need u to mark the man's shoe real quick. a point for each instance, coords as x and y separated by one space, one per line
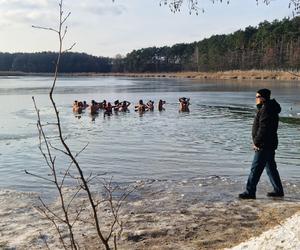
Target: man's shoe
246 195
275 194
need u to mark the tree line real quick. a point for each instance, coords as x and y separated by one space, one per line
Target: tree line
44 62
271 46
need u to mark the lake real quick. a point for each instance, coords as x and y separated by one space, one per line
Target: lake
210 147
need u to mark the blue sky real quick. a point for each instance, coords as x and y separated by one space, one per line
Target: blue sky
104 28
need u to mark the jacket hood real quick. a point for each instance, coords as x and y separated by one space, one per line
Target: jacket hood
273 106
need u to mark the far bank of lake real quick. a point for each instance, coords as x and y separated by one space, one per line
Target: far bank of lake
219 75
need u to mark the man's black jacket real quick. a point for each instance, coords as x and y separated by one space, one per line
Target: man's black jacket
265 125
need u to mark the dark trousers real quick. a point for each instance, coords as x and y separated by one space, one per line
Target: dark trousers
264 158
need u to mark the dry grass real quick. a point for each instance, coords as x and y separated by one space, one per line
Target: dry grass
221 75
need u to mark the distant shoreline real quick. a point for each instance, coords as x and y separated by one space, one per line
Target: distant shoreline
220 75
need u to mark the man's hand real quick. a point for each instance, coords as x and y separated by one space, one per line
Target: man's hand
255 148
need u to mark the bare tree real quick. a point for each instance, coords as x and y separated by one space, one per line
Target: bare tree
70 211
195 6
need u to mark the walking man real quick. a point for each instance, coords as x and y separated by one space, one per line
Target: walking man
265 142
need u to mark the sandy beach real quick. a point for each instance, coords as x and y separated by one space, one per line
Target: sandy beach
283 236
163 219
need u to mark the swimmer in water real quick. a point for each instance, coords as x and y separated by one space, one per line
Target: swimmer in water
184 104
141 107
124 106
160 105
108 109
150 105
94 108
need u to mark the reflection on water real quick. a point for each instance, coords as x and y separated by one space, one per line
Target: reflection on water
214 139
291 120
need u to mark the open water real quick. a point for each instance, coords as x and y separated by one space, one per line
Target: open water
208 147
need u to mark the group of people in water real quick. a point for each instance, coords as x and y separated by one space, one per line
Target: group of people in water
123 106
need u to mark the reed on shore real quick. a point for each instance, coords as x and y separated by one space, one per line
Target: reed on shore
219 75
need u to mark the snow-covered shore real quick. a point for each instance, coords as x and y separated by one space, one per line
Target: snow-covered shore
164 219
284 236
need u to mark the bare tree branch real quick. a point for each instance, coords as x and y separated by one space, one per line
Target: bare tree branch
58 149
38 176
46 208
194 6
74 196
44 240
70 48
65 18
44 28
61 239
78 213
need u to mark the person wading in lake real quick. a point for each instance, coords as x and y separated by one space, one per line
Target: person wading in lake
160 105
265 142
184 104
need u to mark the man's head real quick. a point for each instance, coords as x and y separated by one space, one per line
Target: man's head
262 96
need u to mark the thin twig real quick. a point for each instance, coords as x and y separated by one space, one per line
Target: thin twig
57 229
38 176
44 240
73 197
70 48
44 28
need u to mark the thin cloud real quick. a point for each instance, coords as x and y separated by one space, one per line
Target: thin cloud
23 17
44 12
25 12
25 4
103 9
